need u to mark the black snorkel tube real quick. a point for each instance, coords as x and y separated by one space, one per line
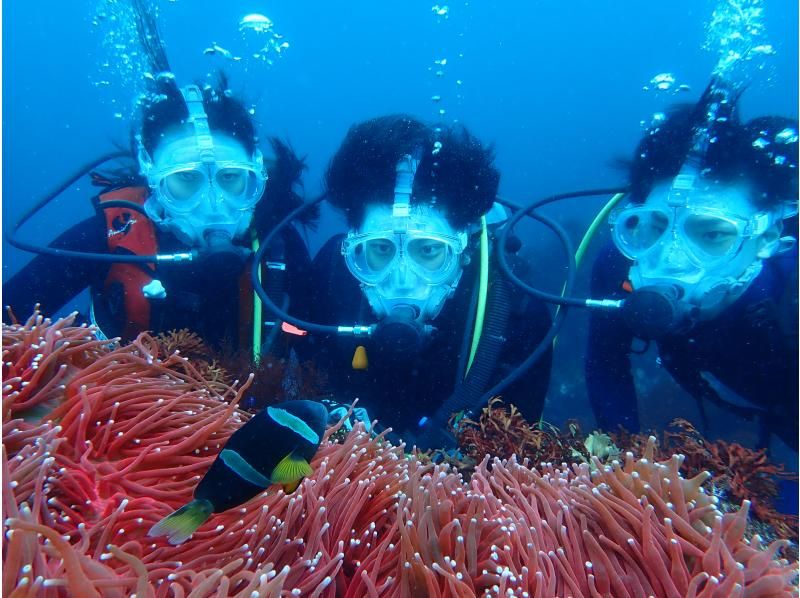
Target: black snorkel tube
11 234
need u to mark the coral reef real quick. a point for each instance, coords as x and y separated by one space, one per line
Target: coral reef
737 473
502 431
130 434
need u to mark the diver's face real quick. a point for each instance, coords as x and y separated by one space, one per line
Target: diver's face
411 258
204 193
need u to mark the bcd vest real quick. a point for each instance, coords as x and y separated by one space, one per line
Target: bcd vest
130 232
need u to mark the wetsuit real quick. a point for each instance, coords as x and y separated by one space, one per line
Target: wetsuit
751 348
204 296
400 390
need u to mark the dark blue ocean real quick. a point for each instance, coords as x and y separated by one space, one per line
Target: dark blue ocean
557 87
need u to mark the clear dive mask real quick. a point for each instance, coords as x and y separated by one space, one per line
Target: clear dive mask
204 188
709 235
433 257
181 188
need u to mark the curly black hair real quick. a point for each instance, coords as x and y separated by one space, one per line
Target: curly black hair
459 175
762 153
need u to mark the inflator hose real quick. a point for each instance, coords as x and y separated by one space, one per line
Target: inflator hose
468 393
468 400
11 234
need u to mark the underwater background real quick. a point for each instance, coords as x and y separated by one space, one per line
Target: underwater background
557 87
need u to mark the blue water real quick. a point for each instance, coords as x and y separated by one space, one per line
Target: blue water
556 86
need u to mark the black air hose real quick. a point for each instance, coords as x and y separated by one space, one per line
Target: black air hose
467 394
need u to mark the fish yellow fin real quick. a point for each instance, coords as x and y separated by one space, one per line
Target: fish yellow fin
291 469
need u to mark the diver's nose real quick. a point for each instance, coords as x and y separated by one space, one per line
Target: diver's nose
674 257
403 278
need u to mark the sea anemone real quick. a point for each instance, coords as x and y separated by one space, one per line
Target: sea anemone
128 435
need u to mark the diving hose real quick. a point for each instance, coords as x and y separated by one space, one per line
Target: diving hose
11 235
257 312
565 299
271 306
465 401
602 216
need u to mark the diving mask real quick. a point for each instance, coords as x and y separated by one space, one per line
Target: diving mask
696 249
709 228
431 256
184 186
203 187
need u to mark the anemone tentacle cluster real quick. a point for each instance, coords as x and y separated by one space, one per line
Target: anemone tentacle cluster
127 435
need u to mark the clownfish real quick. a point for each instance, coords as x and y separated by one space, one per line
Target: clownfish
274 447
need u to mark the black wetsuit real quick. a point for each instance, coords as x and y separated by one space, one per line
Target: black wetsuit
202 295
400 390
751 348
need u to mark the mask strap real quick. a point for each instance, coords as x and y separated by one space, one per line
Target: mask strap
145 161
199 119
682 186
406 170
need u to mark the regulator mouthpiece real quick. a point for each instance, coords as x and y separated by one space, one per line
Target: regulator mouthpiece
400 332
655 312
219 248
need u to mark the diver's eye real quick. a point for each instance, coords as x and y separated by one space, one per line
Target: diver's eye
712 235
715 235
428 253
232 180
184 184
431 250
189 176
382 248
379 253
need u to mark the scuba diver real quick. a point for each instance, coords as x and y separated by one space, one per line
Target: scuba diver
170 244
419 206
699 257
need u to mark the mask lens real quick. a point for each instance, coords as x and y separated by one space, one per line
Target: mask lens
183 185
430 254
379 253
638 230
712 235
232 181
369 259
240 187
